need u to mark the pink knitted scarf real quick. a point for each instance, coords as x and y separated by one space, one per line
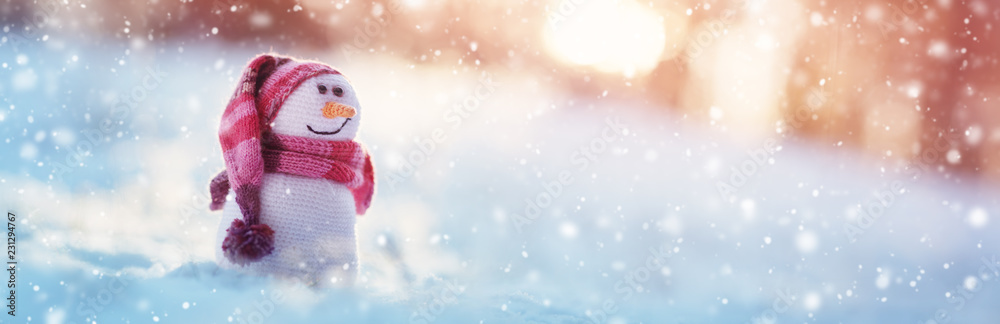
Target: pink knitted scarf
346 162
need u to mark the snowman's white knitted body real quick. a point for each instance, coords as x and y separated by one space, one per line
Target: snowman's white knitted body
313 221
313 218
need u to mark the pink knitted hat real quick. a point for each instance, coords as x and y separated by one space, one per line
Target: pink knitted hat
266 82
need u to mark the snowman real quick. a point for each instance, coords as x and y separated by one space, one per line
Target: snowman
298 177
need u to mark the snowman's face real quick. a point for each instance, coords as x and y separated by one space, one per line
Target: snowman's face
324 108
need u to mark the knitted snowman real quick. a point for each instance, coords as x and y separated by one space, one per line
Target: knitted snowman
298 177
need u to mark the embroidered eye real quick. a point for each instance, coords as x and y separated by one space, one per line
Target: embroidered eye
339 92
322 89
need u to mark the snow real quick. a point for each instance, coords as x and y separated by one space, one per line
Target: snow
24 79
125 235
806 241
978 218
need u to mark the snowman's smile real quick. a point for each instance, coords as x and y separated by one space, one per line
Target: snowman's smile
328 133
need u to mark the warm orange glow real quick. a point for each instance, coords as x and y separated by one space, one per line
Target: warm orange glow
744 69
612 36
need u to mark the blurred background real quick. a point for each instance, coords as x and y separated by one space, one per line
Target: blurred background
111 108
895 75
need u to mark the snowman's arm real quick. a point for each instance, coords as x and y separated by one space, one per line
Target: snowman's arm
219 187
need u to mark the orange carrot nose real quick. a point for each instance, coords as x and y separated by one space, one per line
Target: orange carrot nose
336 109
